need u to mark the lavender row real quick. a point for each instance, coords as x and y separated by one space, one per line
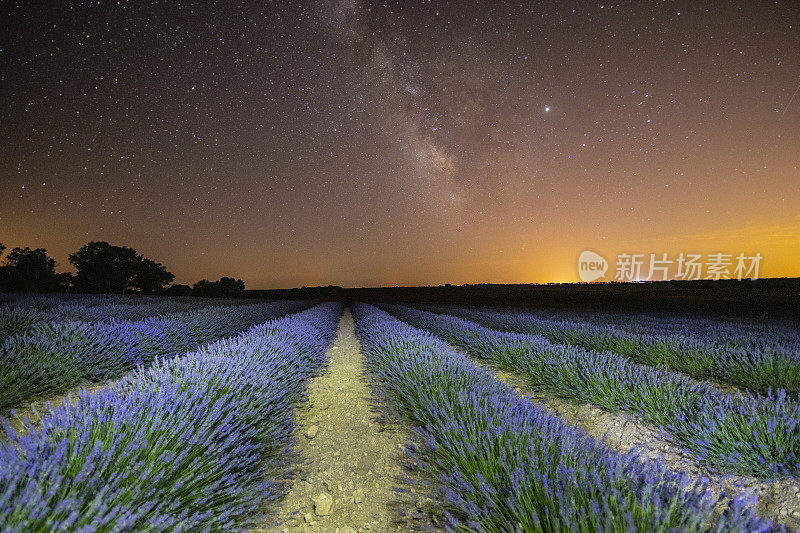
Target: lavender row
52 300
16 319
56 356
44 301
758 363
500 463
775 334
737 433
194 443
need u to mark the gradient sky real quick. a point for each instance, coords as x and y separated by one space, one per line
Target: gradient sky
360 143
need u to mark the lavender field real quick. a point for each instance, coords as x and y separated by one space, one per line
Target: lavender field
188 414
355 266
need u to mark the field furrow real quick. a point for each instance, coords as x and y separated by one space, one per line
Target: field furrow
758 361
282 417
199 442
19 319
778 501
500 463
351 462
57 356
732 433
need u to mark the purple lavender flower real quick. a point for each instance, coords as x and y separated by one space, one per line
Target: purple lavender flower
191 443
503 464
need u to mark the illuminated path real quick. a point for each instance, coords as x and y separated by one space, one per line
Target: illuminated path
350 458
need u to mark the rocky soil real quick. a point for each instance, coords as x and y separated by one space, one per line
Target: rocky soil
352 458
352 461
779 500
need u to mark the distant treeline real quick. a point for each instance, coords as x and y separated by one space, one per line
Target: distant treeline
102 268
330 293
762 298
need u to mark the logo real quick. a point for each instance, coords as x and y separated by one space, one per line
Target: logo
634 267
591 266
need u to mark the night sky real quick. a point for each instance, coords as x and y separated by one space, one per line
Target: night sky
358 143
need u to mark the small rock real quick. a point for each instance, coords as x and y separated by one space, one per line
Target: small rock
346 529
328 485
358 496
308 517
311 432
323 504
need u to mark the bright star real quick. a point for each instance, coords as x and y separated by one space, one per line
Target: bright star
547 108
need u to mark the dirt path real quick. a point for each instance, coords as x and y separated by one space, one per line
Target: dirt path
780 500
351 461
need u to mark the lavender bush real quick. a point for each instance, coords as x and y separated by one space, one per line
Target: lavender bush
194 443
44 301
54 357
756 359
723 330
23 315
502 464
738 433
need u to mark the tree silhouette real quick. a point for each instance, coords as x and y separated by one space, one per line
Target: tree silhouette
152 277
224 288
102 267
26 270
178 290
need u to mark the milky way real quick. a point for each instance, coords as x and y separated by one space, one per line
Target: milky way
363 143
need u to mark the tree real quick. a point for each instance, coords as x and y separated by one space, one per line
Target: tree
152 277
63 282
204 288
224 288
178 290
26 270
2 247
102 267
230 287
